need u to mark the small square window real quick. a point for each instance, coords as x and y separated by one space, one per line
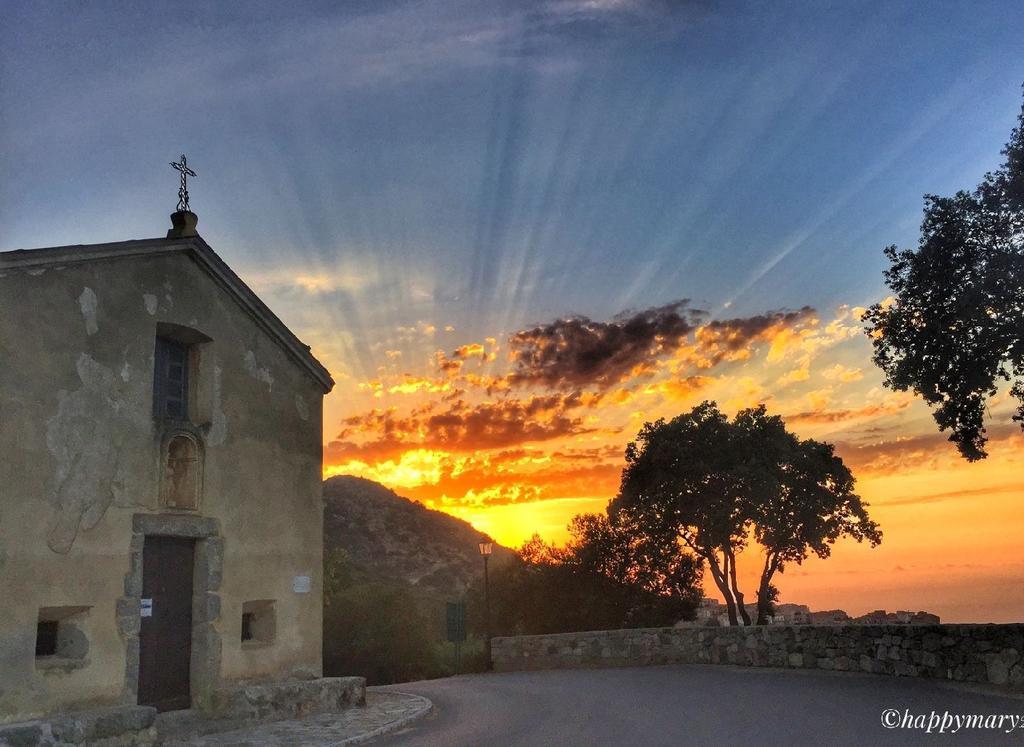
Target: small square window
46 637
62 640
259 624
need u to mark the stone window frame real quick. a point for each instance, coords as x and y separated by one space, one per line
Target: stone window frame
207 577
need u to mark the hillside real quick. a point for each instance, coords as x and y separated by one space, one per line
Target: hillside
388 537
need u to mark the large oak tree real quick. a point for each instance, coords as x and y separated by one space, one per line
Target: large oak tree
712 484
954 329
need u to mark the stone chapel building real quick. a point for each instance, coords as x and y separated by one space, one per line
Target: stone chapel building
160 480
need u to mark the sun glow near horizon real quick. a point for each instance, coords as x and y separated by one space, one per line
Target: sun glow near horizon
518 449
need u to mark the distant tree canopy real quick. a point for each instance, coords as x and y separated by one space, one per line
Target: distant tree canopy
712 484
955 328
605 577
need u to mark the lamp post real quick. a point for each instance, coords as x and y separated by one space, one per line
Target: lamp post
485 552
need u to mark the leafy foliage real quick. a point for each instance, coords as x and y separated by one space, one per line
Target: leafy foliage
641 561
379 629
713 484
606 577
954 330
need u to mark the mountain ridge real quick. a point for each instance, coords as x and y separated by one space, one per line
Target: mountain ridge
389 537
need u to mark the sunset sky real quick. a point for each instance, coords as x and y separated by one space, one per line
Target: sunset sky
516 231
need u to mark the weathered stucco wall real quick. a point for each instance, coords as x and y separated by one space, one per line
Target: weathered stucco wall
991 654
81 456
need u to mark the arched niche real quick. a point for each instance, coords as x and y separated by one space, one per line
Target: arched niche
181 479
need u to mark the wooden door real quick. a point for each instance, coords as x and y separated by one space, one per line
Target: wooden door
165 638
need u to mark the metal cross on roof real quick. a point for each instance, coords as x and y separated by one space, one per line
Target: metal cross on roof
182 167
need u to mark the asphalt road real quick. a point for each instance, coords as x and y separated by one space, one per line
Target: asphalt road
700 705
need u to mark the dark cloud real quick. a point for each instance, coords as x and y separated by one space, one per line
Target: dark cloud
504 423
575 352
579 352
447 365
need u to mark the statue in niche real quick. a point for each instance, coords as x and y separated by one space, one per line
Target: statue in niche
181 481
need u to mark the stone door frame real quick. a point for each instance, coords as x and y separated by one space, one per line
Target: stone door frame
207 575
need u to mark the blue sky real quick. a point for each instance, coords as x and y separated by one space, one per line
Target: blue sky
513 160
490 165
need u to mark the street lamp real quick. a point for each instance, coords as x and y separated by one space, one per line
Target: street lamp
485 552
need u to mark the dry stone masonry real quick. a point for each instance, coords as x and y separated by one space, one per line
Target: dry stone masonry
262 701
119 726
989 654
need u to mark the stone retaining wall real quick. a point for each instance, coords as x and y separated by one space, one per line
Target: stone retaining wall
992 654
134 726
118 726
289 699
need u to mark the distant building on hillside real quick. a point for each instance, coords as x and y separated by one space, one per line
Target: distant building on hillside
830 617
872 618
710 609
792 614
713 612
901 617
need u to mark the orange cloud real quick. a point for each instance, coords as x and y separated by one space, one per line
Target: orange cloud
842 374
444 479
680 390
800 373
472 350
459 426
732 339
838 416
407 384
926 450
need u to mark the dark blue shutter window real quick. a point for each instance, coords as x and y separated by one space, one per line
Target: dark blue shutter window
170 380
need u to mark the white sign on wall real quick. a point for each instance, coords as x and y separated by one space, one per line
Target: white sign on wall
301 584
145 608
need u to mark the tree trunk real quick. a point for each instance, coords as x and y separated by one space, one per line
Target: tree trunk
770 566
719 575
737 594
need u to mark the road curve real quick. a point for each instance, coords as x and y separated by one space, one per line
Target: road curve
690 704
